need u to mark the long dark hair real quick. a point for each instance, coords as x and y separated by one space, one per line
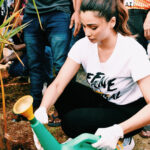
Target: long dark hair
109 9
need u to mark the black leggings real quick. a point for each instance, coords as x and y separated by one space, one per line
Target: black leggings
84 111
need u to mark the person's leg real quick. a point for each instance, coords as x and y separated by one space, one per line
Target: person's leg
58 34
75 96
80 35
135 23
48 65
17 69
83 110
35 53
88 120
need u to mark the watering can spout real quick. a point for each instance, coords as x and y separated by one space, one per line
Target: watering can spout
24 107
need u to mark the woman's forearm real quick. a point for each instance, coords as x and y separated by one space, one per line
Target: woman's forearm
51 95
140 119
65 75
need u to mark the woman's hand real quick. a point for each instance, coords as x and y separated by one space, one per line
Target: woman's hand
109 137
41 115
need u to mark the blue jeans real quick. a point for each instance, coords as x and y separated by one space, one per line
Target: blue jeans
56 34
17 69
48 64
80 35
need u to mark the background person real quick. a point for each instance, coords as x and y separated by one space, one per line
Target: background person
139 24
139 20
55 17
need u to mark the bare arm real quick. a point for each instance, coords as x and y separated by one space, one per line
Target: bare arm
11 57
17 47
77 4
141 118
20 48
64 76
146 26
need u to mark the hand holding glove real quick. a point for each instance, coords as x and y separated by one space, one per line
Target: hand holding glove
109 137
41 115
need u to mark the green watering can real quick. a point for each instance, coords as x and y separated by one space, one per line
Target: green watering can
82 142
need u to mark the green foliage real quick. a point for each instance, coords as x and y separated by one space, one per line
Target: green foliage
5 33
1 2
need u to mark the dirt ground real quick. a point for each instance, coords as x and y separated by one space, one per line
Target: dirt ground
19 132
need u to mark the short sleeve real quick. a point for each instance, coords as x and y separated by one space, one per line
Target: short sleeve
76 52
139 64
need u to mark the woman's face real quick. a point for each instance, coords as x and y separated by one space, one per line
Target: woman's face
97 29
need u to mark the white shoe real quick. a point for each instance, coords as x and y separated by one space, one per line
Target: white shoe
44 88
127 144
69 139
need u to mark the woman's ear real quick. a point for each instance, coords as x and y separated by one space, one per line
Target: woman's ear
112 22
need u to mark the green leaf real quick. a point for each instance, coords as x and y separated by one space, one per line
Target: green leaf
4 41
37 13
1 2
9 19
16 30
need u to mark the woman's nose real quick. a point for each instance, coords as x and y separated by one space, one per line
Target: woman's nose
87 32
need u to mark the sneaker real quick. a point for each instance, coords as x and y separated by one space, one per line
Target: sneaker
127 144
69 139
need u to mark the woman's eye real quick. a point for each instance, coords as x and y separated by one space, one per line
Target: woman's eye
93 28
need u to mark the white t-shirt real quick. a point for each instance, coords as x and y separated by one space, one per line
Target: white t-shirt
116 78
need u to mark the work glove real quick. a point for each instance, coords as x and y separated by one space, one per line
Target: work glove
41 115
109 137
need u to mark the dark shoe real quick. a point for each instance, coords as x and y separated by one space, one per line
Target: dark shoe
17 118
36 105
54 121
145 134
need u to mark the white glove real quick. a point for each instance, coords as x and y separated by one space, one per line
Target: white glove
41 115
109 137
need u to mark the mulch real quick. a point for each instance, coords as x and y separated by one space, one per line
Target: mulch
19 134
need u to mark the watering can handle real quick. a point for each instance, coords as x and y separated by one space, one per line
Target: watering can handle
85 138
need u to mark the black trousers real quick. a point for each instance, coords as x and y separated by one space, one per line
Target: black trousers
84 111
135 23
